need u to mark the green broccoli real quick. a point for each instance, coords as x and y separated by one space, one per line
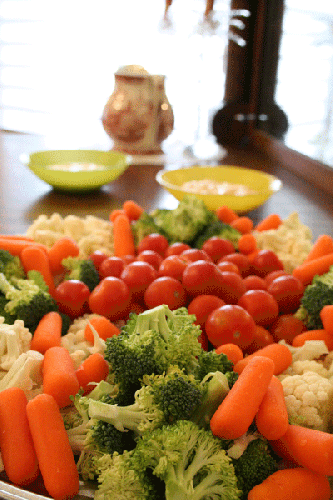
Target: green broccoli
190 461
316 295
149 343
210 361
81 269
26 301
10 265
144 226
216 228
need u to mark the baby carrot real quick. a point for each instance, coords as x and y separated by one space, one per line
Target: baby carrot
272 416
226 214
103 326
298 483
308 270
123 240
310 448
247 244
272 221
93 369
34 258
322 334
47 333
322 246
61 249
59 377
114 213
326 316
232 351
17 448
55 456
279 353
238 409
132 209
15 237
243 224
16 245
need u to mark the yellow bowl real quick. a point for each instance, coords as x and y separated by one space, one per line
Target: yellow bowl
113 163
264 184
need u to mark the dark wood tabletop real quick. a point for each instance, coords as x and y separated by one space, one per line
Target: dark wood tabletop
23 197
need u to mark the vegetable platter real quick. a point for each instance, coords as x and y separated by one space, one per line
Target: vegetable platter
178 354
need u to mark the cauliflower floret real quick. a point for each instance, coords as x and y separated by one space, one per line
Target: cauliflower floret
25 373
14 340
309 399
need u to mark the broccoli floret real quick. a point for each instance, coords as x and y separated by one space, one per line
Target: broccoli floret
26 301
217 228
210 361
149 343
216 387
316 295
190 461
162 399
81 269
144 226
10 265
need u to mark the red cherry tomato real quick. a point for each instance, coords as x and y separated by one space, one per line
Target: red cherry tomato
154 241
228 266
262 337
230 287
110 298
176 248
274 274
254 282
128 259
217 247
200 277
193 254
230 324
202 305
286 327
173 266
153 258
261 305
138 275
265 262
72 298
288 291
242 262
98 257
165 290
111 266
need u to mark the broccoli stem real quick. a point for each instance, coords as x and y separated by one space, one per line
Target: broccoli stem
154 319
122 418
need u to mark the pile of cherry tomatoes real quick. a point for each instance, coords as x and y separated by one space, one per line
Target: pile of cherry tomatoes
248 302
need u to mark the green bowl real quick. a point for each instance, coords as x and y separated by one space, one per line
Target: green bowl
113 163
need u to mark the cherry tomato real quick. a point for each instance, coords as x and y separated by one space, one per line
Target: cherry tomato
230 287
98 257
72 298
153 258
262 337
242 262
265 262
193 254
203 340
286 327
128 259
154 241
165 290
138 275
110 298
200 277
261 305
254 282
288 291
202 305
274 274
230 324
111 266
217 247
224 265
176 248
173 266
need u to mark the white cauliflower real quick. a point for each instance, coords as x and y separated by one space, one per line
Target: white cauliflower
25 373
14 340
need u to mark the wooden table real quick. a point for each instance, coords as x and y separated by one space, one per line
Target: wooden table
23 196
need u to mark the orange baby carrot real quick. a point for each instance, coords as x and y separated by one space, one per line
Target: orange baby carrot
247 244
34 258
61 249
17 448
15 237
322 334
47 333
238 409
310 448
16 245
132 209
272 416
226 214
280 354
243 224
308 270
103 326
114 213
55 456
59 377
322 246
93 369
232 351
272 221
292 483
123 240
326 316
